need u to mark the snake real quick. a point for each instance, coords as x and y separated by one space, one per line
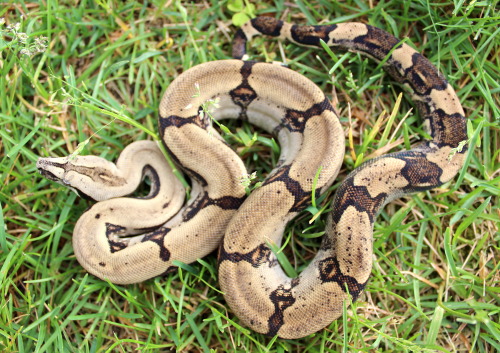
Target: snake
128 239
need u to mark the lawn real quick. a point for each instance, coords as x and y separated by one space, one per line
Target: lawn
88 76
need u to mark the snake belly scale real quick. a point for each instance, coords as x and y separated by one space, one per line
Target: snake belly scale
112 243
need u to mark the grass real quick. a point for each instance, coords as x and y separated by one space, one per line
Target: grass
435 279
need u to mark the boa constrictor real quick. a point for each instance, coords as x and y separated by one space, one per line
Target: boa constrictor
128 240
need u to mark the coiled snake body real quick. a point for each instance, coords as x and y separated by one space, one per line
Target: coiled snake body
311 139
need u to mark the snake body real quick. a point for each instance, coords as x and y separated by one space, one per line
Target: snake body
311 139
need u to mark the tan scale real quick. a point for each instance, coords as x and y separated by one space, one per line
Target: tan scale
383 177
355 250
348 31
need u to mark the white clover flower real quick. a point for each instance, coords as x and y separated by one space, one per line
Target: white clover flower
41 41
15 27
247 179
40 44
25 52
2 21
22 37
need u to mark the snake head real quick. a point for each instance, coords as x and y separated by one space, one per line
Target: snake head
85 175
55 169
